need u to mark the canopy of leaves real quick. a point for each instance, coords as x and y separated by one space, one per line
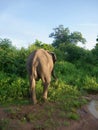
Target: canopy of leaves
97 38
95 54
63 35
5 43
38 44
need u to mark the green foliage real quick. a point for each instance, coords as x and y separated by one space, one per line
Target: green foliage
7 62
78 74
5 44
90 84
12 61
67 72
59 91
74 53
95 54
67 98
97 39
20 62
63 35
4 124
75 76
12 88
73 116
76 70
38 45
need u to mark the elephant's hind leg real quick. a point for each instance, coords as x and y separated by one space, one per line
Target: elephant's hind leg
33 93
45 88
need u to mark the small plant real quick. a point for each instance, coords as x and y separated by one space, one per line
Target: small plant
4 124
73 116
66 123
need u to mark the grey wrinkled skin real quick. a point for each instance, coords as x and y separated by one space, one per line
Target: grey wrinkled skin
40 65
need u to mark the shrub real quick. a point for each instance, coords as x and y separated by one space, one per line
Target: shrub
66 96
68 73
90 84
12 88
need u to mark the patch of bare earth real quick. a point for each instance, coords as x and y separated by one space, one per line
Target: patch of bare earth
46 116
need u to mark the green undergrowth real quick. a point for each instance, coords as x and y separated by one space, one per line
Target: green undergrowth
65 96
68 97
71 84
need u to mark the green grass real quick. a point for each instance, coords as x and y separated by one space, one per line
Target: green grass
4 124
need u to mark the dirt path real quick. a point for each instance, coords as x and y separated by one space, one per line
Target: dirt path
44 117
86 122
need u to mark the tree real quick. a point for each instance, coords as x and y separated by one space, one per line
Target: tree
95 52
38 44
5 43
7 56
63 35
97 39
12 60
72 53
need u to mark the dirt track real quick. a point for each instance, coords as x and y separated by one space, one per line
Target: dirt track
19 118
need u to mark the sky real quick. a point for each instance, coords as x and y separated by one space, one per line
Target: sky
24 21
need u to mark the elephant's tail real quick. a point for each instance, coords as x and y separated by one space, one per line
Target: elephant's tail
34 72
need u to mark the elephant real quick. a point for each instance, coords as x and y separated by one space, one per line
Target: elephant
40 65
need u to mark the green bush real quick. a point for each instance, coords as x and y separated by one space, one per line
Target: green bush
12 88
90 84
73 78
69 74
65 70
66 96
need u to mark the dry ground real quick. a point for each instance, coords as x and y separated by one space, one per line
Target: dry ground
46 116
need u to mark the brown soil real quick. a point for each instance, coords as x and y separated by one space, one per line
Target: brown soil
45 117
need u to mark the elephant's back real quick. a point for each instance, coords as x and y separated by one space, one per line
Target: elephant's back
40 61
45 64
44 58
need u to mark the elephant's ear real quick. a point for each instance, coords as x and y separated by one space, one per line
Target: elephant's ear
53 56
